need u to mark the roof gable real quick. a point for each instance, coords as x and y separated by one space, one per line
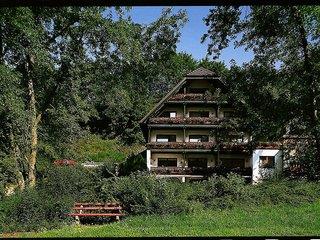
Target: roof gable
201 72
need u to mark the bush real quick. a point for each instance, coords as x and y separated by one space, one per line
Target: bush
142 193
77 182
46 205
291 192
136 162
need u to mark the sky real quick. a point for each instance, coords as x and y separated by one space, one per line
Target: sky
190 40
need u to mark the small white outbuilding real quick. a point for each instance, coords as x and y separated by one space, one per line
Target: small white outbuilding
266 163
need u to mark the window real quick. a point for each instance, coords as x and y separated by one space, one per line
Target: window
167 162
228 113
236 138
169 114
166 138
198 138
197 90
267 161
198 113
197 162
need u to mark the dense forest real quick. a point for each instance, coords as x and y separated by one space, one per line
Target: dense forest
89 74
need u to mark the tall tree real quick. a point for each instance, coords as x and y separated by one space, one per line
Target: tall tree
283 35
66 66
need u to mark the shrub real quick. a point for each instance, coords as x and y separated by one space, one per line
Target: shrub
77 182
136 162
291 192
142 193
46 205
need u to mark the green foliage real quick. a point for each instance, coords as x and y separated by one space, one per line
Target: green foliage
95 148
141 193
46 206
135 162
145 194
273 220
279 88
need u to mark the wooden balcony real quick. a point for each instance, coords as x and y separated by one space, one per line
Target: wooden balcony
187 121
209 171
181 145
199 147
192 97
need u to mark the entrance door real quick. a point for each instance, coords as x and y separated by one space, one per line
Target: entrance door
197 162
232 162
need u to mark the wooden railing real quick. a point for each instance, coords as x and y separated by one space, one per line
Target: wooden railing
180 145
208 171
222 147
192 97
189 120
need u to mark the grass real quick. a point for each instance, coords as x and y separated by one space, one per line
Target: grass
94 148
278 220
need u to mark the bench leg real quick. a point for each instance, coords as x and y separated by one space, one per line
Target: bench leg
117 218
77 220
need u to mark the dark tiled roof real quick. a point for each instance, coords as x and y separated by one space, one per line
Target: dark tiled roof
201 72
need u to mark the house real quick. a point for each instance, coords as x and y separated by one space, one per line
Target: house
188 134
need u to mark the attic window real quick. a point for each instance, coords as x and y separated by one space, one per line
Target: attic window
169 114
267 161
198 113
197 90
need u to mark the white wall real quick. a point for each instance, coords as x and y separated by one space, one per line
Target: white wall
149 159
259 173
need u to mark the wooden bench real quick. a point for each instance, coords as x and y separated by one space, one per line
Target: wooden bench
85 210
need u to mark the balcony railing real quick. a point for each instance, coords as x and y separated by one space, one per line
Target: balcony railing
192 97
180 145
189 120
223 147
208 171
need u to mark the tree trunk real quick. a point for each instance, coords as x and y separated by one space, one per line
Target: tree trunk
34 122
1 43
15 152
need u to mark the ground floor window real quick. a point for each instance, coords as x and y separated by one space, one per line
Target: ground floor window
167 162
267 161
197 162
232 162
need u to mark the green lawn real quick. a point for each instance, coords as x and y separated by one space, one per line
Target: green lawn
259 221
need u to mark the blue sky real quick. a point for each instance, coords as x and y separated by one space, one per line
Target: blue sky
192 32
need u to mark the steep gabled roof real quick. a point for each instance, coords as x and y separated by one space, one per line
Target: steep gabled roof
198 73
173 91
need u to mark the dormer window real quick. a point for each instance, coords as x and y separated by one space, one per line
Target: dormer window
169 114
